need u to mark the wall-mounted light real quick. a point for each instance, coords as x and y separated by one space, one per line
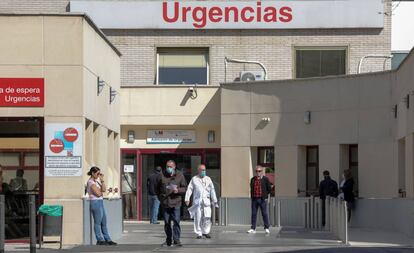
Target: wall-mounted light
395 111
100 85
211 136
131 136
406 100
307 118
266 119
112 95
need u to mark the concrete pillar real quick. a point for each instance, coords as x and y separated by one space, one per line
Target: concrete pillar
288 159
409 163
236 164
330 159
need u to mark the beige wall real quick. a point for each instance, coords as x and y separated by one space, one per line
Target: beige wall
346 110
69 54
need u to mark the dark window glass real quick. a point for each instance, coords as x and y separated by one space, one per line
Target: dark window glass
312 170
182 66
314 63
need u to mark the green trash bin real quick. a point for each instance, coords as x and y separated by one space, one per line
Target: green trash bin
51 222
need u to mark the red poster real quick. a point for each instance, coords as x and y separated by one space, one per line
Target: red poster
22 92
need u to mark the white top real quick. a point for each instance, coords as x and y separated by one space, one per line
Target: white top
202 190
91 182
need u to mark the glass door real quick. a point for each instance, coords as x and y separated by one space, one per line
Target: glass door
129 185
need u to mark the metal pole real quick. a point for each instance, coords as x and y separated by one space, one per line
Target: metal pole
278 213
345 223
32 225
2 223
213 215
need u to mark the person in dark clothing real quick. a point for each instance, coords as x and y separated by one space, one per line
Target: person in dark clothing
154 202
260 188
171 187
327 187
347 191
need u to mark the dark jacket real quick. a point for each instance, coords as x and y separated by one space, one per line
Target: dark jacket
166 195
152 182
266 187
328 187
348 190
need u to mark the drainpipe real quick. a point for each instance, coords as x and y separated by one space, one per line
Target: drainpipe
226 60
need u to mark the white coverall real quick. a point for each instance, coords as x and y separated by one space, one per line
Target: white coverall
204 195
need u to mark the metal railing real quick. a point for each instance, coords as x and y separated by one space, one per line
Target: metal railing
337 218
303 212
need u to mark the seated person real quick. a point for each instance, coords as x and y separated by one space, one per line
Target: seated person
18 183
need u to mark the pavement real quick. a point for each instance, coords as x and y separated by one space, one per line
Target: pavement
143 237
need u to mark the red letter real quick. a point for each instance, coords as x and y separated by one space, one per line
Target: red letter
185 11
165 12
200 22
259 12
215 14
270 14
286 14
243 14
227 14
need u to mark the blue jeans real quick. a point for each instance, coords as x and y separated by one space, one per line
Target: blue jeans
154 205
172 214
99 220
262 203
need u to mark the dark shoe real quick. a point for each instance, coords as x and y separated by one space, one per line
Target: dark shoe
199 237
207 236
101 243
111 243
177 243
166 244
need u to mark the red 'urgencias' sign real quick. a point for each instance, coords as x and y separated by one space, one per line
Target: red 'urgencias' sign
22 92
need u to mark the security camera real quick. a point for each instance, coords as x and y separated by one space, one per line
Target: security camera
190 89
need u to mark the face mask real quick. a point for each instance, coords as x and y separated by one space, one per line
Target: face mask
203 173
170 170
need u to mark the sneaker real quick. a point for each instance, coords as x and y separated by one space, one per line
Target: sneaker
251 231
207 236
267 231
101 243
177 243
166 244
111 243
199 237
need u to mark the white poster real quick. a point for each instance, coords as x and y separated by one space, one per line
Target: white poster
270 14
129 168
63 149
171 136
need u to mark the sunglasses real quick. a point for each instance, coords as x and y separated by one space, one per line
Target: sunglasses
258 171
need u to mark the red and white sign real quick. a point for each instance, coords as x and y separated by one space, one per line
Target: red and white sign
270 14
22 92
70 134
63 150
56 146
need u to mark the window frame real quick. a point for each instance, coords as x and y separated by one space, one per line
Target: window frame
184 49
318 48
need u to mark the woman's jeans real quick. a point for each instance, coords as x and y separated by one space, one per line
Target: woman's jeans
99 218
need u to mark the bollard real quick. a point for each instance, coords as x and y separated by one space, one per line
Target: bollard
278 208
2 223
345 224
32 225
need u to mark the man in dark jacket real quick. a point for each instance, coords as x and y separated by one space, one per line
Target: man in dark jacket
172 186
327 187
260 188
154 202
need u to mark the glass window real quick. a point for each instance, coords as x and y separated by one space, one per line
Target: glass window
10 159
182 66
320 62
312 170
31 159
353 166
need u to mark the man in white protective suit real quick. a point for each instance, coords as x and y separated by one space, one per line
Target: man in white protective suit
204 197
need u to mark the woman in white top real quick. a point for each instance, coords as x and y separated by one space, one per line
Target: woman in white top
96 188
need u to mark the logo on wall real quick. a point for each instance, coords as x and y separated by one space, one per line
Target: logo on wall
63 154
